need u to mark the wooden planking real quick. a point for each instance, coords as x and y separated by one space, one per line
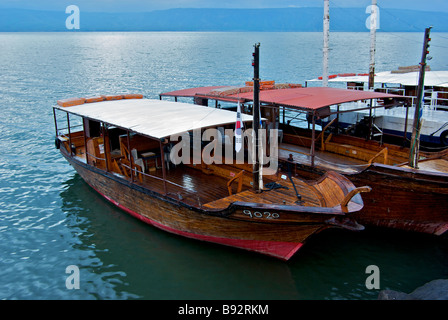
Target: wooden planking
280 196
184 220
331 192
413 200
327 160
435 165
158 209
190 185
309 194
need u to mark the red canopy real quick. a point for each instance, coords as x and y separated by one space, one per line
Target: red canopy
310 99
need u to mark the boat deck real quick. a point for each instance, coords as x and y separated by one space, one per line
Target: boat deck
199 190
285 196
433 165
327 160
186 185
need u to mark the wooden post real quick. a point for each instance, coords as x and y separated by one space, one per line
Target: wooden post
69 135
162 156
130 156
406 124
85 139
369 136
415 142
313 140
106 144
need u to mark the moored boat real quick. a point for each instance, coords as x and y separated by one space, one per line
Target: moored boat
413 199
135 152
399 121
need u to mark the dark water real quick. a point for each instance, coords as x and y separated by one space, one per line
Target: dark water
50 219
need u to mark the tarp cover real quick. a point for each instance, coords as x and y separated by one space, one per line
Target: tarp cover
311 98
432 78
154 118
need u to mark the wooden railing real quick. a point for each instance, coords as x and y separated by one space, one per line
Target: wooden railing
383 152
351 194
322 134
239 176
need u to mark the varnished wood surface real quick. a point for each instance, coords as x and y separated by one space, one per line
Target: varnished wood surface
433 165
207 186
401 197
327 160
195 202
176 218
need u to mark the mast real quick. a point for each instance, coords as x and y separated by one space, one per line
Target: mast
415 142
373 26
326 42
256 116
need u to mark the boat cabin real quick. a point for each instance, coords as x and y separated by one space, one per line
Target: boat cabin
117 136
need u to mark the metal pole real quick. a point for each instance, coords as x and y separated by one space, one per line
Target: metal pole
256 115
326 42
55 122
373 26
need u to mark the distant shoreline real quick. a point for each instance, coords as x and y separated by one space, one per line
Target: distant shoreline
223 20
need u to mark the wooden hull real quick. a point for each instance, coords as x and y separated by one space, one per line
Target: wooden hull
254 232
406 199
401 198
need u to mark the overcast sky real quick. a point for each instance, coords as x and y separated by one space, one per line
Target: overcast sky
149 5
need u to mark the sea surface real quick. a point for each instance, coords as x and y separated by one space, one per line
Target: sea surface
50 219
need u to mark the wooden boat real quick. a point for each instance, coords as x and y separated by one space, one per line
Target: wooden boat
399 121
401 198
119 146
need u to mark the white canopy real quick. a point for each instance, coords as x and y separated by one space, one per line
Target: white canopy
432 78
154 118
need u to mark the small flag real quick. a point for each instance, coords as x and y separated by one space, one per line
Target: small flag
238 129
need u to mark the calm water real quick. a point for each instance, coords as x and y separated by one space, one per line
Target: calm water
50 219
